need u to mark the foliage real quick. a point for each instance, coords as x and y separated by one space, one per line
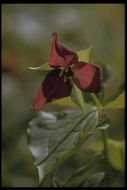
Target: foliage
54 137
115 150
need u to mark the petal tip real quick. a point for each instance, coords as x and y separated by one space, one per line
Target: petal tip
35 107
54 35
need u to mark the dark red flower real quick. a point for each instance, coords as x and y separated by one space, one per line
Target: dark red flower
67 68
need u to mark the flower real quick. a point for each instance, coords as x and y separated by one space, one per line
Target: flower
67 70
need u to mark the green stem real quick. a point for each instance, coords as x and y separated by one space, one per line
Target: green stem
105 143
104 136
98 104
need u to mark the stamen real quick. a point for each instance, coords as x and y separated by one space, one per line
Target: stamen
66 70
61 72
72 68
71 80
65 78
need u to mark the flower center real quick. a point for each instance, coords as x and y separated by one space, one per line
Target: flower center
66 73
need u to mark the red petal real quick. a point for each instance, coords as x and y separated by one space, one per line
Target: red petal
53 87
87 77
61 55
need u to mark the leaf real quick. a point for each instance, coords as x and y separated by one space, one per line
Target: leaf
77 97
96 146
118 103
56 182
52 139
84 55
116 155
119 91
44 67
104 120
108 99
67 101
94 180
82 173
101 95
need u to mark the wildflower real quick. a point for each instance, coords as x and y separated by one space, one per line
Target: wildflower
67 70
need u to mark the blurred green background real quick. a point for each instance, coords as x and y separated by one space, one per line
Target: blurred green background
26 41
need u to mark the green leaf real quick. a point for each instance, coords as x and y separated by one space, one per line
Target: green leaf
52 139
119 91
119 102
82 173
108 98
77 97
101 95
94 180
116 152
65 102
96 146
84 55
104 120
44 67
56 182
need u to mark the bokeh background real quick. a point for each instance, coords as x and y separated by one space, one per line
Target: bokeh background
26 41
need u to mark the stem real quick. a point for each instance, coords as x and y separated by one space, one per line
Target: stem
51 181
97 102
105 143
104 136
